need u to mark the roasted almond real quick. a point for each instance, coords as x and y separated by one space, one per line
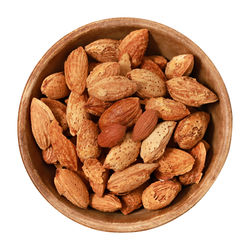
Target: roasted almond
49 156
125 64
159 60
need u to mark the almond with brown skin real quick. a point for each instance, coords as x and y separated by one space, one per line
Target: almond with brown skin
70 185
174 162
40 116
125 112
122 182
159 60
190 92
160 194
103 50
135 44
125 64
76 70
49 156
145 125
168 109
54 86
191 129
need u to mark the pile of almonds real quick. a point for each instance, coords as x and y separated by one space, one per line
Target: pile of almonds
122 128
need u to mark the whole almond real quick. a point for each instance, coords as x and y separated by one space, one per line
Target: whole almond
122 155
103 50
149 84
54 86
125 112
135 44
107 203
168 109
145 125
70 185
76 70
111 136
49 156
191 129
125 64
181 65
153 147
174 162
86 143
122 182
159 60
190 92
63 148
40 116
113 88
160 194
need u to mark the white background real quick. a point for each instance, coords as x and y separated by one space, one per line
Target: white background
220 220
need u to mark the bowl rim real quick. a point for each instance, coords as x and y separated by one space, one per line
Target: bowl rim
88 221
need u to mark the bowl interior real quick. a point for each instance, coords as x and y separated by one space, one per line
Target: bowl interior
164 41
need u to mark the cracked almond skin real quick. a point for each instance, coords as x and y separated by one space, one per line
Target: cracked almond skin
191 129
122 155
113 88
190 92
124 112
181 65
103 50
149 84
49 156
168 109
135 44
76 70
174 162
160 194
199 153
40 117
64 149
153 147
107 203
70 185
159 60
125 64
54 86
86 142
122 182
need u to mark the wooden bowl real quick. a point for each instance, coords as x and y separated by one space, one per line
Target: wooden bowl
165 41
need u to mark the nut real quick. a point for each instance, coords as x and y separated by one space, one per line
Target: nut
125 64
159 60
49 156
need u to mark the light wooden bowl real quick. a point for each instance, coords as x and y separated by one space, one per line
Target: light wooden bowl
165 41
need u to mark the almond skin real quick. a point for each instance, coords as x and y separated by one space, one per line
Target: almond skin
159 60
111 136
135 44
49 156
70 185
54 86
125 112
76 70
191 129
125 64
160 194
190 92
145 125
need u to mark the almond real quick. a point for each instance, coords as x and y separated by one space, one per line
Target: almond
191 129
125 64
174 162
159 60
70 185
49 156
113 88
160 194
76 112
76 70
63 148
92 65
101 71
153 147
107 203
190 92
181 65
122 182
121 156
103 50
145 125
149 84
111 136
86 143
168 109
54 86
135 44
125 112
40 116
